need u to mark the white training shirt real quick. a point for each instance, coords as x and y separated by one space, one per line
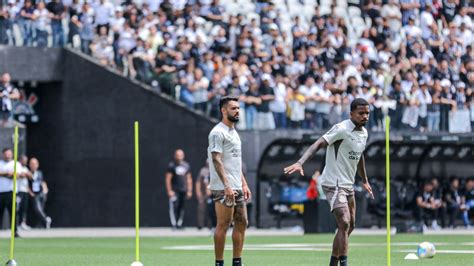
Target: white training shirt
341 165
22 182
6 184
225 140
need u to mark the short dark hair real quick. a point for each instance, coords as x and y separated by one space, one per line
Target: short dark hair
225 100
358 102
6 149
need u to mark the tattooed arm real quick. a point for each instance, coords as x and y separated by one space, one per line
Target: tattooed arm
219 166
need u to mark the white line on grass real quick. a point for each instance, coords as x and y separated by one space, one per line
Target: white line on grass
322 246
447 251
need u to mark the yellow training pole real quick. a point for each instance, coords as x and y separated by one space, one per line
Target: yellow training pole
387 181
137 199
13 221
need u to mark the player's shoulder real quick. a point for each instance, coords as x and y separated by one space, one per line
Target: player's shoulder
342 126
219 129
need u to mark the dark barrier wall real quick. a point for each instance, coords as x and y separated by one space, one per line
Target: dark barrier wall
32 64
85 144
6 139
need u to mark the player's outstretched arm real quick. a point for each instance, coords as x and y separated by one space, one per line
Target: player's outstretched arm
363 174
298 166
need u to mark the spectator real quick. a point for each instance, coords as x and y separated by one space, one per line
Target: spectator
434 109
205 211
74 23
252 101
449 8
469 202
222 45
39 193
4 20
23 190
453 199
325 99
6 184
392 13
8 94
198 87
428 207
310 91
296 107
86 25
447 103
278 105
408 8
26 23
424 98
179 186
438 199
41 24
103 12
399 96
265 118
102 49
57 9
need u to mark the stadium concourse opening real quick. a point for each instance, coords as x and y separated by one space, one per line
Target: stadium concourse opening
414 158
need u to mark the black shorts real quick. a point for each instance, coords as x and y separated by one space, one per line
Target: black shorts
219 196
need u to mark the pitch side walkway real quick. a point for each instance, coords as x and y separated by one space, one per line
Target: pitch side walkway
190 232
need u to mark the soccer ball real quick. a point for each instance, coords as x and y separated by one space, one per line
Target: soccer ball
426 250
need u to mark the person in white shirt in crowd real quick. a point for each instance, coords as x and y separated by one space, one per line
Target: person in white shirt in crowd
42 24
278 105
310 91
424 98
103 11
117 21
102 48
199 88
324 99
426 20
86 27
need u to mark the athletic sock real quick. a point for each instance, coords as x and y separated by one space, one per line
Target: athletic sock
237 262
334 261
219 262
342 260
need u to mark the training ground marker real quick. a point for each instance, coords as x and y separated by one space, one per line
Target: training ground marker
137 199
387 181
11 261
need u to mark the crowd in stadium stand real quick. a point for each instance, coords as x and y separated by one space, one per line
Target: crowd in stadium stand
412 59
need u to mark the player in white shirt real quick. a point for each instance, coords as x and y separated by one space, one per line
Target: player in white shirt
228 185
345 143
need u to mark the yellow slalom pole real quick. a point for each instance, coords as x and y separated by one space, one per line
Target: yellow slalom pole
13 221
137 197
387 181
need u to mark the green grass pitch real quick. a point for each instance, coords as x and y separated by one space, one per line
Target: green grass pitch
276 250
